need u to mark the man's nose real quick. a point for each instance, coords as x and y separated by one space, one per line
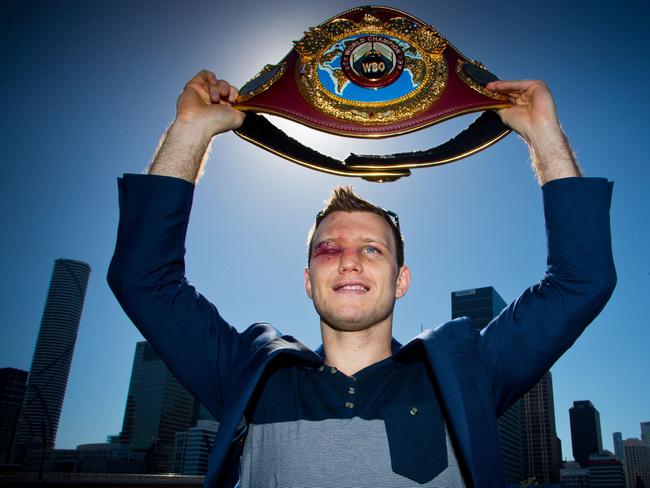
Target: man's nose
350 261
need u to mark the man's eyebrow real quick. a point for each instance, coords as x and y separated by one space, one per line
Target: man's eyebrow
375 240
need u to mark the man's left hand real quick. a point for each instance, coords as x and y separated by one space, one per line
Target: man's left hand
533 109
533 116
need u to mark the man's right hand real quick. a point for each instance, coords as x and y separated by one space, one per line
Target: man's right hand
203 110
206 102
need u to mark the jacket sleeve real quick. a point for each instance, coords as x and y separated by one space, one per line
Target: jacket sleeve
147 276
527 337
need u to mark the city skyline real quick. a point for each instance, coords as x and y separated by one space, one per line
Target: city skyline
106 98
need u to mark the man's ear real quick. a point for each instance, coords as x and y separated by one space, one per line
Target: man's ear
307 282
403 281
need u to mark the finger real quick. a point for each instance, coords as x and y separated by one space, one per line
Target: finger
234 93
200 77
224 89
212 78
201 80
215 95
206 75
237 118
509 85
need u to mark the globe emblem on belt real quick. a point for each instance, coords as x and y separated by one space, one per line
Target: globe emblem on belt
372 61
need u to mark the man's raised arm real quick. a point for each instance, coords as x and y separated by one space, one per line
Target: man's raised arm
203 110
527 337
147 272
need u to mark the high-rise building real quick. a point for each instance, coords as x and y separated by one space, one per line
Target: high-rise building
509 428
48 376
12 393
619 452
201 413
637 463
157 407
585 431
481 305
572 475
540 446
606 471
558 448
645 432
109 457
192 448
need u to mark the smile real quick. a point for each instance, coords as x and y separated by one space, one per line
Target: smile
357 287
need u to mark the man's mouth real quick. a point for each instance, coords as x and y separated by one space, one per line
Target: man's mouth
357 287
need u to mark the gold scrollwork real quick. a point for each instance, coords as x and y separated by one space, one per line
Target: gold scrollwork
426 37
476 86
429 73
316 39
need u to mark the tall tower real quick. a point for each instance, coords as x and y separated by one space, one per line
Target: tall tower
540 446
481 305
157 407
585 431
645 432
12 393
618 445
637 463
48 376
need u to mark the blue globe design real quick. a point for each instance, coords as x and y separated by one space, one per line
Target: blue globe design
353 92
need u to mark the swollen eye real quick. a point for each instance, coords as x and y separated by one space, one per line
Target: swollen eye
325 248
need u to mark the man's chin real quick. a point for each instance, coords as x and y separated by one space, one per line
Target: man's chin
347 326
351 323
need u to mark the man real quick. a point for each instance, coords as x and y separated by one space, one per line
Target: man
364 410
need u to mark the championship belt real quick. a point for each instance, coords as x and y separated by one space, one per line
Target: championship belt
372 72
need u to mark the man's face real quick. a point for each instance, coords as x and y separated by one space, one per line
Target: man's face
353 277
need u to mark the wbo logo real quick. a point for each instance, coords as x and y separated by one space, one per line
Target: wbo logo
372 61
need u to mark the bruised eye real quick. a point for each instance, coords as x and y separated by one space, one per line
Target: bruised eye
325 248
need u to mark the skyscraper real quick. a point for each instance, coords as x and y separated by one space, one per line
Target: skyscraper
12 393
481 305
606 471
585 431
48 376
192 448
637 463
572 475
618 445
645 432
157 407
540 447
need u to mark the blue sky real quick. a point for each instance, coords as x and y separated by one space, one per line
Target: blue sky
87 88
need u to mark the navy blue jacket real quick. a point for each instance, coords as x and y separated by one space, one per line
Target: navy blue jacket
480 374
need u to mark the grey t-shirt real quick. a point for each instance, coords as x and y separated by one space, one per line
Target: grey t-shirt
316 427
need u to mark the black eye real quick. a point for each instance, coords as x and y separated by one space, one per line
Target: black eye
326 248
